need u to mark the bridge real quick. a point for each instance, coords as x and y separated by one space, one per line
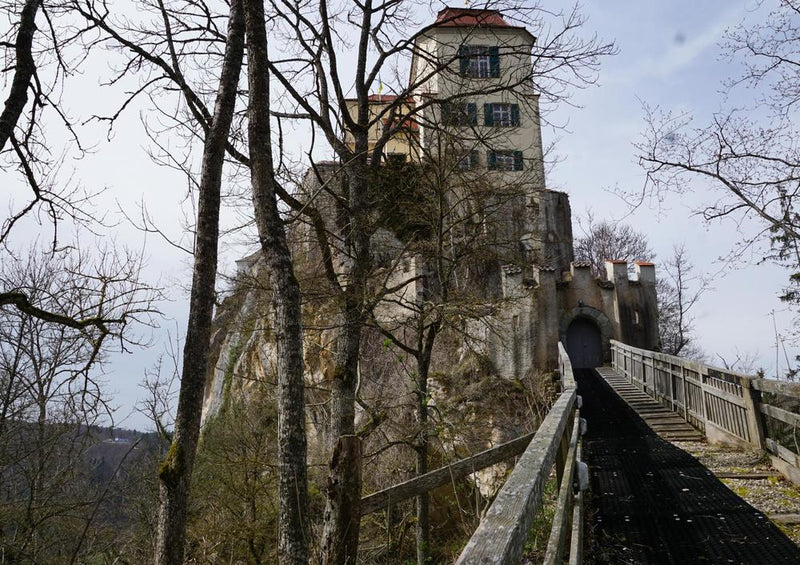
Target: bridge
610 432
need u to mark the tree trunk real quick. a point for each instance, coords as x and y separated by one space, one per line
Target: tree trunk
174 474
423 500
342 512
340 543
293 538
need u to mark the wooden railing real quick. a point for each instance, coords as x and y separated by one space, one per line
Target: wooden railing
500 538
729 407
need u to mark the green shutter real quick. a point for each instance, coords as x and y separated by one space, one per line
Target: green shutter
473 159
491 160
472 114
515 115
517 160
494 62
488 115
445 113
463 59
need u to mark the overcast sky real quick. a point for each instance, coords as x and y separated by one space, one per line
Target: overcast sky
668 56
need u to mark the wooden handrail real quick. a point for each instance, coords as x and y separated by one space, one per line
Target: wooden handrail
443 475
501 535
726 405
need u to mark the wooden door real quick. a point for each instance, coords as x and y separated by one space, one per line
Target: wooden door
584 344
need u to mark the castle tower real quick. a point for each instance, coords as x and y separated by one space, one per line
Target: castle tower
471 76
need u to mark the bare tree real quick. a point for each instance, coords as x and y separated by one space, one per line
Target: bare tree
41 55
678 288
440 213
319 83
176 471
293 530
605 240
677 295
313 83
747 156
51 393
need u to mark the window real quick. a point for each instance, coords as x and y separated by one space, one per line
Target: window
459 113
505 160
501 114
469 161
479 61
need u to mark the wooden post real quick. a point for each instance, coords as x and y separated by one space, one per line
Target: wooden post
576 539
685 392
562 454
340 538
703 385
752 407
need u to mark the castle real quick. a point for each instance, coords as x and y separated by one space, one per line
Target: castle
470 119
474 103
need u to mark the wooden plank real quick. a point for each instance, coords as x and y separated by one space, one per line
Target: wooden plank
777 387
555 545
716 426
786 454
732 398
785 518
443 475
576 539
780 414
565 366
501 536
748 476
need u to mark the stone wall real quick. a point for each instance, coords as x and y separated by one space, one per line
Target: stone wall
537 312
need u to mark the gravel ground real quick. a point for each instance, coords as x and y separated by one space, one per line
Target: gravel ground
775 495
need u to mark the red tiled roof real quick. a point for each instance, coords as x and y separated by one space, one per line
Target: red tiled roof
644 263
387 98
408 123
469 17
382 98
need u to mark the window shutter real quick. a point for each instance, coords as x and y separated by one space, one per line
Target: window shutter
517 160
463 59
473 159
515 115
472 113
445 113
494 62
488 115
491 159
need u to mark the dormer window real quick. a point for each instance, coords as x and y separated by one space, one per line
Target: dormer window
479 61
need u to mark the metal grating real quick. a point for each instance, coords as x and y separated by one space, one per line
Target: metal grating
653 503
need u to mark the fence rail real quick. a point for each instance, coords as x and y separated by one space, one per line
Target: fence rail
500 538
729 407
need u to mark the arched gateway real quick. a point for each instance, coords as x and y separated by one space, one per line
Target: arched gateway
584 344
585 331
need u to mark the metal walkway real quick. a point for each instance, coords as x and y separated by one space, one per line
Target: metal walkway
654 503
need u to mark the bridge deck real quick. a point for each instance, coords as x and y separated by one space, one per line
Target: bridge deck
654 503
